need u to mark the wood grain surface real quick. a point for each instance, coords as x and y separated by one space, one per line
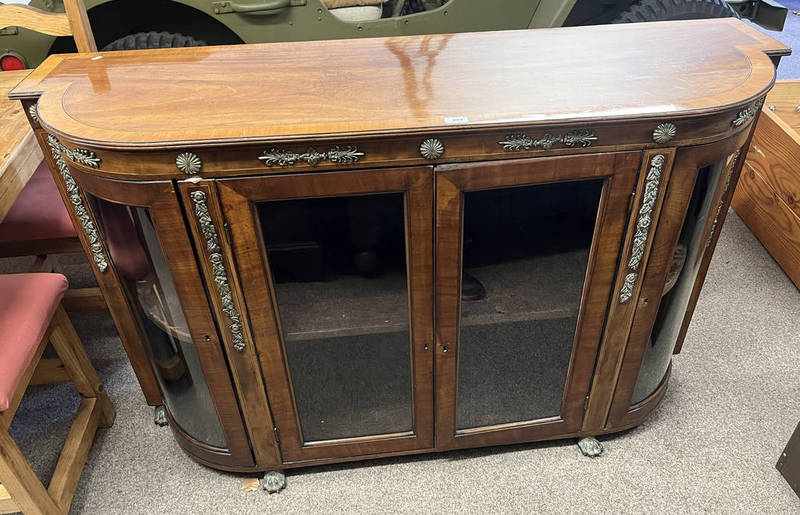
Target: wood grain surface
590 98
768 196
53 24
415 84
19 152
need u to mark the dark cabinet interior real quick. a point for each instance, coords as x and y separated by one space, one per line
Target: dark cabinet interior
528 250
341 288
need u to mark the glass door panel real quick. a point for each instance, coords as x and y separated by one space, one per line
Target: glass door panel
139 259
694 239
152 263
528 248
336 270
526 252
339 271
692 207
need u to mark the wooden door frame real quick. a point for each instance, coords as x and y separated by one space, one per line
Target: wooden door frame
238 197
108 281
618 170
654 178
688 162
161 199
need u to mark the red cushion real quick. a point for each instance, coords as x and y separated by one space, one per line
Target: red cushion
27 304
38 213
123 241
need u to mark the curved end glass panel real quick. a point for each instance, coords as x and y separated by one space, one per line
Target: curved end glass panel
680 282
526 250
339 272
137 255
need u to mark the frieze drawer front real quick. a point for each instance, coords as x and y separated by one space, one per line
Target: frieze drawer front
454 241
444 146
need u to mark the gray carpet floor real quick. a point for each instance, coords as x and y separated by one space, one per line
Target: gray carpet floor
710 447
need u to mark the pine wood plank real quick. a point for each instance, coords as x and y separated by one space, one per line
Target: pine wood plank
73 455
53 24
84 299
20 480
770 219
768 196
19 152
79 25
7 504
77 364
49 370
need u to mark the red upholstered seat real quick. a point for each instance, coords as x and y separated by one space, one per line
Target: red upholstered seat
27 304
123 241
38 213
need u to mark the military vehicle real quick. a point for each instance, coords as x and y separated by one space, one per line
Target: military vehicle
133 24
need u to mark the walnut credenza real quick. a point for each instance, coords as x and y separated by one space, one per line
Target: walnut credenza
327 251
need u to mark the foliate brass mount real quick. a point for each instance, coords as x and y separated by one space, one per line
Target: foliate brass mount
747 113
33 112
84 157
188 163
664 132
57 149
646 211
576 138
218 267
274 156
79 155
643 222
626 292
431 148
743 116
722 199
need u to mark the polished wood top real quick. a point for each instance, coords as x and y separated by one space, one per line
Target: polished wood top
417 84
19 152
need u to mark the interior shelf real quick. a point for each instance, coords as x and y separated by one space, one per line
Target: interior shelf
675 269
347 305
543 287
535 288
152 305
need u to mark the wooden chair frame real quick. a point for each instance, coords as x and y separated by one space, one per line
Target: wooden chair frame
20 489
74 22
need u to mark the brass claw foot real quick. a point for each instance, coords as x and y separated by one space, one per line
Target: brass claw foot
160 416
273 481
589 446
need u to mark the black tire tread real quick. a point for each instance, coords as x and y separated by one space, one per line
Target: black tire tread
145 40
664 10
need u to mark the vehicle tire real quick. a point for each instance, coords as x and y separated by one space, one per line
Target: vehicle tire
144 40
664 10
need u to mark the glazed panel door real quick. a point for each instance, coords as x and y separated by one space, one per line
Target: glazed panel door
337 274
144 243
700 189
525 258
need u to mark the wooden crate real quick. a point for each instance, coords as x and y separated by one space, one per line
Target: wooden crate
768 195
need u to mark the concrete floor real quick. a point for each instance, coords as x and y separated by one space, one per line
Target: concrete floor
710 447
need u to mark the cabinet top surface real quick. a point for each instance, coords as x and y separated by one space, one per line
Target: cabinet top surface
414 84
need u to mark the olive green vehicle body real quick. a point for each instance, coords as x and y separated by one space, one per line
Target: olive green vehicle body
218 22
